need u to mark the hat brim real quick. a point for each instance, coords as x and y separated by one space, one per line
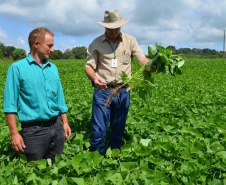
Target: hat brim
114 25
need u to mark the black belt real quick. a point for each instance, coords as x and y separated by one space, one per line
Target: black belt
115 85
47 123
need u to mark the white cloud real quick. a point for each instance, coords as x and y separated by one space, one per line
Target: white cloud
198 23
3 36
18 43
66 44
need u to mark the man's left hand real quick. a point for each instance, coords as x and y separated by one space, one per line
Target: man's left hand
67 130
152 69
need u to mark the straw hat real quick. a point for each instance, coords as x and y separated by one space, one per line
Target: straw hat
113 20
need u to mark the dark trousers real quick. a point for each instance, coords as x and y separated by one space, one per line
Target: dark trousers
116 114
43 139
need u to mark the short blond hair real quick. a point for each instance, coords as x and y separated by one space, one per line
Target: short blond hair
38 34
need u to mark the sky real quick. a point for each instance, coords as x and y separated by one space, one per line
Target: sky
179 23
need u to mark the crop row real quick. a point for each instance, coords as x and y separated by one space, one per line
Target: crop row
175 137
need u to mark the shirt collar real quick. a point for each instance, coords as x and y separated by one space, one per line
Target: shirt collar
31 60
105 37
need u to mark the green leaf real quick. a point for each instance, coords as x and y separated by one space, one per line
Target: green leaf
55 182
174 180
57 158
109 153
23 158
31 177
169 52
115 178
15 180
160 48
180 63
78 181
129 166
115 152
152 61
222 154
63 181
87 144
142 93
49 162
151 51
145 142
60 164
164 59
41 164
54 170
124 76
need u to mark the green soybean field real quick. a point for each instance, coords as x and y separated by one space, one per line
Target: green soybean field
177 136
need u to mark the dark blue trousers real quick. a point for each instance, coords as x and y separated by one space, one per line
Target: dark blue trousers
116 114
43 139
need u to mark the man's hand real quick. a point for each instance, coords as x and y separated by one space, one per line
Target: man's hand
17 143
67 130
16 139
144 60
66 127
99 84
153 68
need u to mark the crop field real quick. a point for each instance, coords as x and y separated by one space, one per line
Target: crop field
178 136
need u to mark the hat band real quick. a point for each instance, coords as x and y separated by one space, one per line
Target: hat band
112 20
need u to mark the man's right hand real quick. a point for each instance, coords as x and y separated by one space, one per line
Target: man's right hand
17 143
99 84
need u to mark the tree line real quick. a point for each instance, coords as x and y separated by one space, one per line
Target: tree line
197 53
10 52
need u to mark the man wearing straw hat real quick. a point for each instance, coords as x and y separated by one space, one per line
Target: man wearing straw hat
107 56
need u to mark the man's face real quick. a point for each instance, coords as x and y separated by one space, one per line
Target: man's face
112 34
45 48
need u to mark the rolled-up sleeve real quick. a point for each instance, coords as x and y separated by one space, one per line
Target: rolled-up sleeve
136 50
92 57
12 90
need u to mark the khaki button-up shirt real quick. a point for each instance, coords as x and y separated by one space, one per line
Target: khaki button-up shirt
100 55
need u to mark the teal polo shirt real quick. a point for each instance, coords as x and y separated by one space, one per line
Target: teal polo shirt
33 92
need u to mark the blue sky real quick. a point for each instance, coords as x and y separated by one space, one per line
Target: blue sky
181 23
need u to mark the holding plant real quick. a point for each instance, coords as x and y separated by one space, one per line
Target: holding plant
142 81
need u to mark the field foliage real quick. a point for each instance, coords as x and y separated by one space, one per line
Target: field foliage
178 136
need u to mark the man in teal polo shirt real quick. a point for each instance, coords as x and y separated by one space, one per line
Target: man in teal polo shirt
34 93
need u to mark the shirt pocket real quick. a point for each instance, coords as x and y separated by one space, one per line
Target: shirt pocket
53 88
126 59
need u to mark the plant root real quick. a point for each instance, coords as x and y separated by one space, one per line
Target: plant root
114 91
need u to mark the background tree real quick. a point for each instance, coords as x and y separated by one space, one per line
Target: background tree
197 51
8 52
1 54
19 54
213 52
79 52
184 51
2 47
206 51
173 49
57 54
68 54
